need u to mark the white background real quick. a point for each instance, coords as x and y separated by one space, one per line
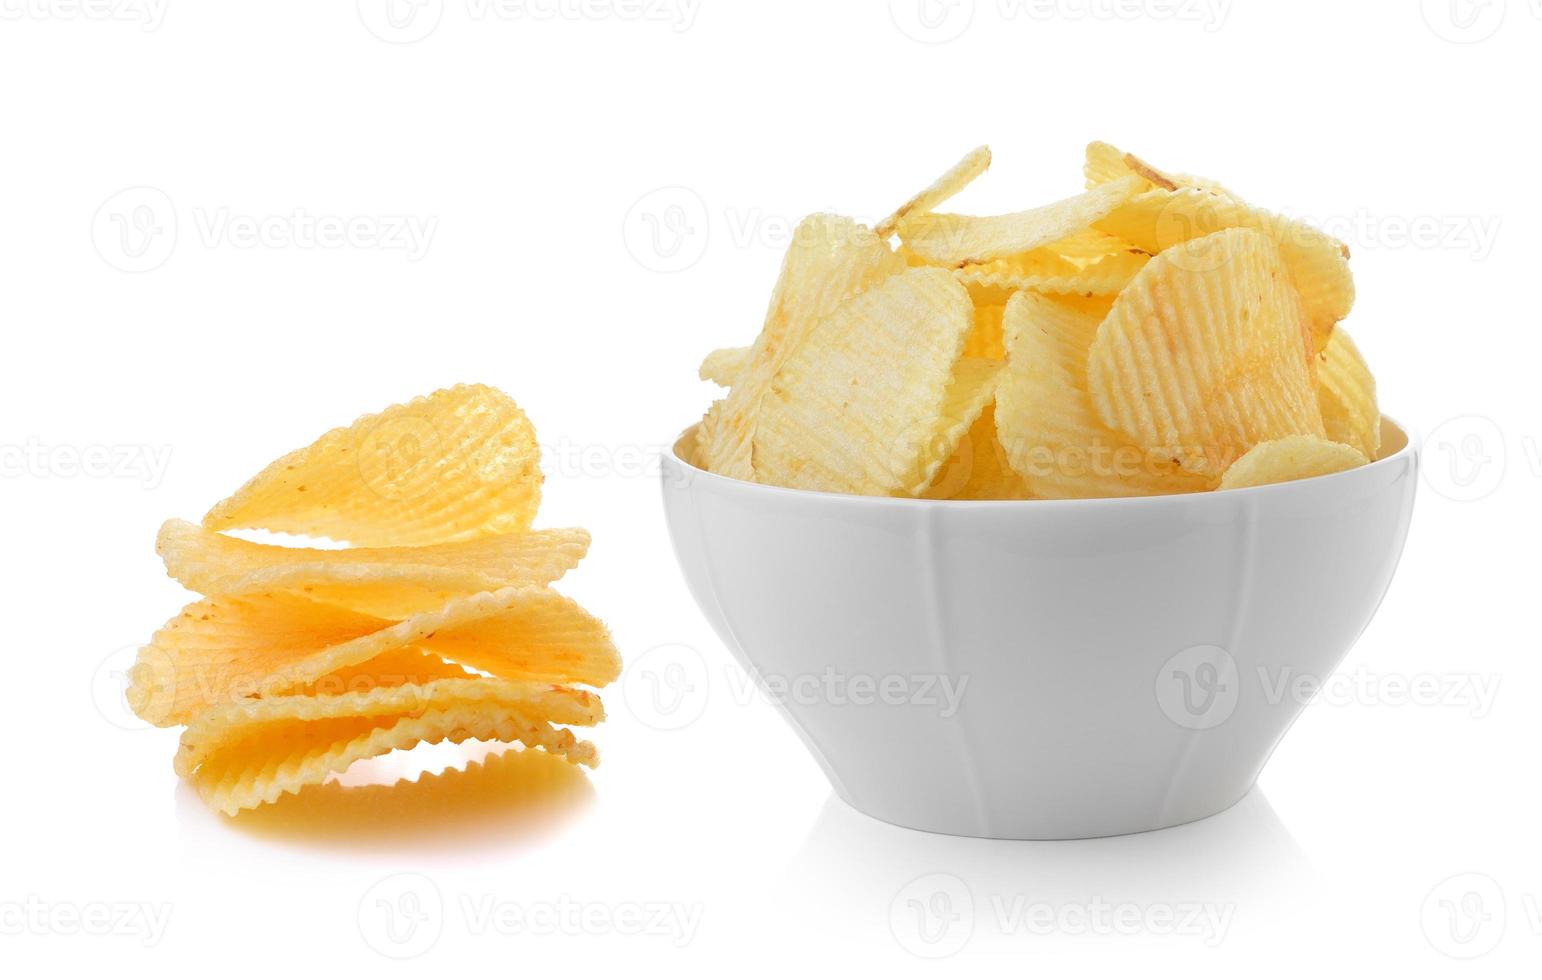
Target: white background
526 147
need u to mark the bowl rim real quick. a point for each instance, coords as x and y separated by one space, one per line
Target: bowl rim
1408 452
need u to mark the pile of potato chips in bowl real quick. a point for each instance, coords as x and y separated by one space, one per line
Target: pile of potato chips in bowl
1022 499
1154 334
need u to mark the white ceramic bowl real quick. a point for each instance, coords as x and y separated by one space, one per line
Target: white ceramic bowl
1042 669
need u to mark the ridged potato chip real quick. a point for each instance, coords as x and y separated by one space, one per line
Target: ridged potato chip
1049 273
831 258
387 582
1052 436
226 726
1290 458
1318 263
457 464
1105 163
288 757
984 337
223 649
968 397
394 668
723 365
1346 393
957 177
954 239
1207 354
856 406
978 468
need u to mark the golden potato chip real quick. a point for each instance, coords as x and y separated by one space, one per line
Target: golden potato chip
723 365
978 468
457 464
394 668
386 582
1318 263
1086 246
1346 393
1048 273
954 239
1053 438
226 726
1290 458
286 757
984 337
223 649
698 440
857 404
830 259
1105 163
1206 353
969 395
959 176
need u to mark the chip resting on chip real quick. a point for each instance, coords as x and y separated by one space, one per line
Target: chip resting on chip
862 405
457 464
440 626
1137 338
1290 458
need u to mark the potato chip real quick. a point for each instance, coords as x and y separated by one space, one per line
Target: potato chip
1048 273
387 582
1206 354
723 365
394 668
830 259
959 176
1317 262
1290 458
223 649
958 238
969 395
984 337
457 464
978 468
856 406
1086 246
1346 393
288 757
1052 436
225 726
1105 163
